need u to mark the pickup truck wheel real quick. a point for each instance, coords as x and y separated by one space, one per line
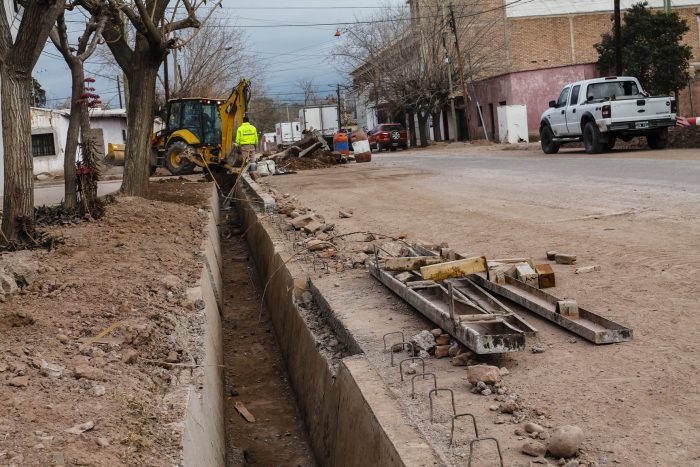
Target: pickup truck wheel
547 141
658 140
610 145
591 139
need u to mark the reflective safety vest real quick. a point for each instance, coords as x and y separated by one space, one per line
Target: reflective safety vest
246 134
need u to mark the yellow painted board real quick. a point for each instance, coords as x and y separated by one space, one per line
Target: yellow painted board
459 268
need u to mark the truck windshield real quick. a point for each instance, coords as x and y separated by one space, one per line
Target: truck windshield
612 89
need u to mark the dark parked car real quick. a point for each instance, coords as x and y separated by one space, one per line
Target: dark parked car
388 136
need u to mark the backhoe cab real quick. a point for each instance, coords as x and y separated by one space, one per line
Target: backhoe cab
199 132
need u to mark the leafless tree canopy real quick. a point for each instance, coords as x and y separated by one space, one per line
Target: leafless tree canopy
213 61
401 58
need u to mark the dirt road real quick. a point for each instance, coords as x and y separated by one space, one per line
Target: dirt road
636 214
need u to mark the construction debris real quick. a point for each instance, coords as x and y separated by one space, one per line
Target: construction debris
459 268
410 263
586 269
561 258
545 276
551 255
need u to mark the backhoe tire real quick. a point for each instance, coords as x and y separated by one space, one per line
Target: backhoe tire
658 140
174 162
591 139
547 141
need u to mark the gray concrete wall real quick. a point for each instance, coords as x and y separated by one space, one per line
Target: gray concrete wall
203 439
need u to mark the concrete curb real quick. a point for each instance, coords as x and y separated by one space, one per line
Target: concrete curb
204 437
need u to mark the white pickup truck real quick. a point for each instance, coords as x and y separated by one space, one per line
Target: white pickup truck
598 111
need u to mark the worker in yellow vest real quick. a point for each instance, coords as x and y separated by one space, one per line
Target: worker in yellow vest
246 141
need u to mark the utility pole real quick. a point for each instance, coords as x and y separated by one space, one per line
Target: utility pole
176 83
288 113
119 93
618 39
460 62
339 118
449 77
667 6
166 78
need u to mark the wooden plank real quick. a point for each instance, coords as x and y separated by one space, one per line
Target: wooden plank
244 412
410 263
459 268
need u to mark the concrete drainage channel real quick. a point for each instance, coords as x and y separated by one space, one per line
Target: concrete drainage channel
348 414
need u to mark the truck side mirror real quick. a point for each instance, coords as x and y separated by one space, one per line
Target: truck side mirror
553 104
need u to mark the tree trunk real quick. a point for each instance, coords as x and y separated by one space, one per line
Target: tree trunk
76 107
139 128
412 128
18 195
436 126
423 128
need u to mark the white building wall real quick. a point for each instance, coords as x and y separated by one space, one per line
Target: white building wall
55 123
14 19
567 7
113 129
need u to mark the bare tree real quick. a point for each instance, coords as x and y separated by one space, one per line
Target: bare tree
17 60
212 62
400 59
79 122
401 62
307 86
140 58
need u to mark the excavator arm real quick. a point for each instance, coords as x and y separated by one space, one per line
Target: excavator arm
232 113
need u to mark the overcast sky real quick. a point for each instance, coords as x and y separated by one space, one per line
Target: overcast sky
290 54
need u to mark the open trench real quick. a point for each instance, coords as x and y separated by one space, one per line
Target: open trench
255 374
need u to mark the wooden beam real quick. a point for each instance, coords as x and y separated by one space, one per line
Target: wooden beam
459 268
410 263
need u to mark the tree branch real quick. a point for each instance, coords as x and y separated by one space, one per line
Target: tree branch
95 40
5 33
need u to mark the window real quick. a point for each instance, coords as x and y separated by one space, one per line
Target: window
391 128
124 136
574 95
612 89
174 117
563 97
43 145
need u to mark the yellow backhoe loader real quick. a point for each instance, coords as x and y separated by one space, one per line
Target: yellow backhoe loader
199 132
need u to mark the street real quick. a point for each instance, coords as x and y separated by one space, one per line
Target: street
636 214
46 194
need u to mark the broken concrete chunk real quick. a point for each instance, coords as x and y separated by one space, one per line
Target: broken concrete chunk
304 220
545 276
586 269
427 245
531 427
82 428
313 227
344 214
562 258
568 308
551 255
534 449
436 332
424 340
526 274
51 370
488 374
359 258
